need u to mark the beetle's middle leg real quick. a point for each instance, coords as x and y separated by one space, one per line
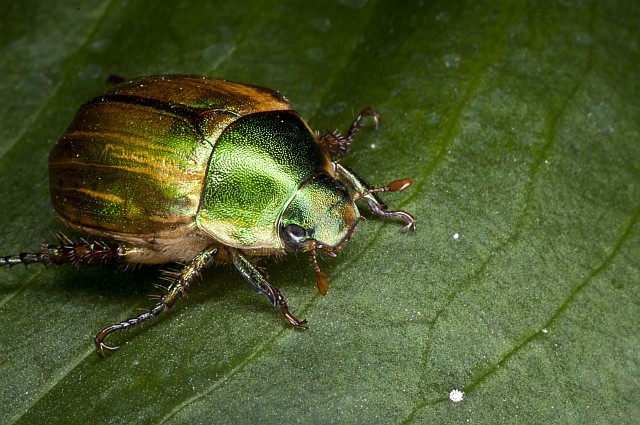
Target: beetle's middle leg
179 285
257 280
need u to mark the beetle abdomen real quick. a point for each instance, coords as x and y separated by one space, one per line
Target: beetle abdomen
129 169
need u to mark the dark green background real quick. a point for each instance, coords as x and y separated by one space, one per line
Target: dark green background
520 125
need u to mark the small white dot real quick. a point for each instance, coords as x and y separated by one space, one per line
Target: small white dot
545 330
456 236
456 396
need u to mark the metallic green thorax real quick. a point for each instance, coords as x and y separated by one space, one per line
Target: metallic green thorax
256 168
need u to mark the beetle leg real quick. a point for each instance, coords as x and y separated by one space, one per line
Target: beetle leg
180 284
69 252
364 190
338 145
256 279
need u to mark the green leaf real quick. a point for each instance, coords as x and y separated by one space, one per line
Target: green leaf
518 123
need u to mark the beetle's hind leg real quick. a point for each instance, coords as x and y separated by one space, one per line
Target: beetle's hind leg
257 280
338 145
180 281
76 253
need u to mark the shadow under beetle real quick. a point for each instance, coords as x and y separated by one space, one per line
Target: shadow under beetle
190 169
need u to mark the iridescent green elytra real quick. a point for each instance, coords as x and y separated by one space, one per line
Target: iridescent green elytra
177 168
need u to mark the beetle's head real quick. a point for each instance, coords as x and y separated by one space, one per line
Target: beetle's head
321 216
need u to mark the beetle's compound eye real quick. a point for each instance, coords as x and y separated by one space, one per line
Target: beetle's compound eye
294 236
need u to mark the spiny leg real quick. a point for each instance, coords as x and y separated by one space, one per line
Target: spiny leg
338 145
68 252
257 280
180 284
364 190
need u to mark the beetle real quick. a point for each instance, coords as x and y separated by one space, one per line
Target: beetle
194 170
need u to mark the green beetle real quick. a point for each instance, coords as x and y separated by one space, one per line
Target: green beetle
191 169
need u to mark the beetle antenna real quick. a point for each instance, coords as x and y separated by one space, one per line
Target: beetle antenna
394 186
321 277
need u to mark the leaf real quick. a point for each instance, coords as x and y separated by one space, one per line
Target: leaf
518 124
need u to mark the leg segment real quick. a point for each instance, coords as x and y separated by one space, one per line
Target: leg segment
338 145
257 280
180 282
364 190
68 252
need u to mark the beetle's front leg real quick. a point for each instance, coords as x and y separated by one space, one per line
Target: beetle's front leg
257 280
180 282
338 145
364 190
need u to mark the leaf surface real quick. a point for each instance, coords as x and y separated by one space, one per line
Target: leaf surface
519 126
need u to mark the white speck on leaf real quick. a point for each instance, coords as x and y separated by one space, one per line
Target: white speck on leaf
456 396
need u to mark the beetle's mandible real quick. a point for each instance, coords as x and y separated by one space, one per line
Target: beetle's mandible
191 169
